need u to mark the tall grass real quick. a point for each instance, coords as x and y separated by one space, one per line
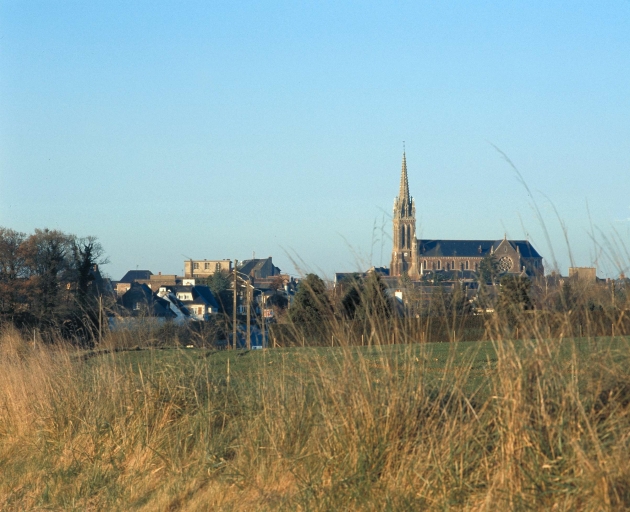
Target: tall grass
540 423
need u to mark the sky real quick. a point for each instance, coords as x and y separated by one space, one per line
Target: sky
175 130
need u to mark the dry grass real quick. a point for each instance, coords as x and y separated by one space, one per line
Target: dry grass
539 424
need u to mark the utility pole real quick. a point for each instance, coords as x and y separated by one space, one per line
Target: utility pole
249 307
234 307
262 316
100 319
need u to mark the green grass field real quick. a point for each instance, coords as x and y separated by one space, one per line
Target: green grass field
435 360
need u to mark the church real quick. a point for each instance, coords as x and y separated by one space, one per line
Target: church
415 257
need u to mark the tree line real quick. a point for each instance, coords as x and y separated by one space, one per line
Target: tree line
49 278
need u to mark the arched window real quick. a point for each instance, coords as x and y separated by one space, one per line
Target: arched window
402 234
439 265
461 267
408 237
466 264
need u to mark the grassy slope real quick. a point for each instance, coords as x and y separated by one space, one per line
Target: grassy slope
443 425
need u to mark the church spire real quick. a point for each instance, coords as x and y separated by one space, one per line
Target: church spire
403 194
404 202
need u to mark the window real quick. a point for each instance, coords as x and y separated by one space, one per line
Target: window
196 265
206 266
461 267
218 267
466 264
448 266
439 265
476 266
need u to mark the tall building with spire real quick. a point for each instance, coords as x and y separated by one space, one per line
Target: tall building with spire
460 258
404 235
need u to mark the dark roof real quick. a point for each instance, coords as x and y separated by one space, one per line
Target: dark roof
471 248
135 275
526 249
348 276
206 293
201 294
253 267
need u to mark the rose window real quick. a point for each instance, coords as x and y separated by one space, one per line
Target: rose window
505 264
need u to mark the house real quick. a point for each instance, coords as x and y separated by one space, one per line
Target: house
259 268
132 276
197 299
199 269
139 300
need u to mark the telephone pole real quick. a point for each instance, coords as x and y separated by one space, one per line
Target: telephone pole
234 307
249 307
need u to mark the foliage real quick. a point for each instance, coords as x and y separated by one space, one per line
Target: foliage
47 277
488 270
311 304
514 297
220 286
278 300
87 253
367 299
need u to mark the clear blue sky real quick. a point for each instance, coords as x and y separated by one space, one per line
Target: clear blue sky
216 129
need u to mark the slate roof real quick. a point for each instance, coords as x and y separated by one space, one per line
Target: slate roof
207 295
251 267
134 275
202 295
470 248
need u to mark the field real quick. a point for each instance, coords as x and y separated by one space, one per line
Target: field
490 425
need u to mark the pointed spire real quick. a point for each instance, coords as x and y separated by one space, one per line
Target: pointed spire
403 194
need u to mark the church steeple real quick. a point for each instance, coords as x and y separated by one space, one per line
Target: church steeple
403 194
404 232
403 206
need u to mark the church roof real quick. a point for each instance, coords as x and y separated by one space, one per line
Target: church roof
471 248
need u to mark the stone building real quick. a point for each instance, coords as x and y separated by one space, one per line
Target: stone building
205 268
415 257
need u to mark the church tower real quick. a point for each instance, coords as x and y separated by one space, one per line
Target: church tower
404 250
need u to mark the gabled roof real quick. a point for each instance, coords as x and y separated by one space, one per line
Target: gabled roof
471 248
207 295
252 267
201 294
135 275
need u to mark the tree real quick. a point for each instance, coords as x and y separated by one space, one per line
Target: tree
367 299
219 284
514 297
47 255
351 301
376 302
87 253
488 269
13 270
311 303
458 303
